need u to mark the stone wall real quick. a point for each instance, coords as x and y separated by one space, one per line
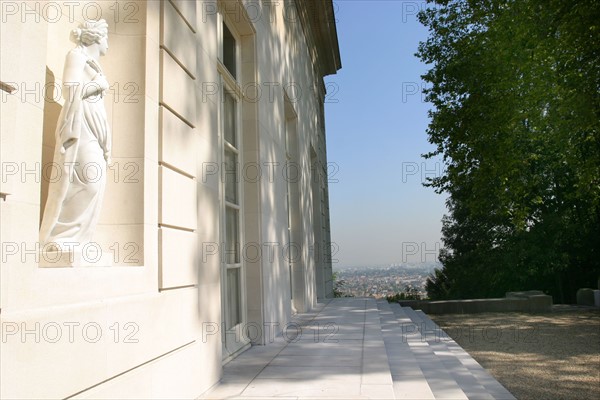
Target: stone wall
531 301
149 325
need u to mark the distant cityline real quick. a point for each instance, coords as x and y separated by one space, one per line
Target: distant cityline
387 280
430 265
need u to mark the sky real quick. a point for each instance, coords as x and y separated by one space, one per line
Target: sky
376 121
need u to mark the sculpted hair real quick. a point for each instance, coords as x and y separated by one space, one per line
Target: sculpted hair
90 32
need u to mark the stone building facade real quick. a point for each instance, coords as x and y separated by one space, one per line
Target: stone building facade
214 228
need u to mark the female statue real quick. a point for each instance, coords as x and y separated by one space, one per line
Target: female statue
83 143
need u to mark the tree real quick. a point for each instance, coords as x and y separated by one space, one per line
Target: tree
338 285
515 90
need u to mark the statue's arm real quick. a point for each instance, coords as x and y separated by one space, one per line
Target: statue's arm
73 76
73 73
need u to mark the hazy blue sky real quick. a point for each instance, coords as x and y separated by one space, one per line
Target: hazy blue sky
376 133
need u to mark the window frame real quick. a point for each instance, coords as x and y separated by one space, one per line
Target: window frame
229 83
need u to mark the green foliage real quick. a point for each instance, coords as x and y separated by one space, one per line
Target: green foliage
437 285
515 89
409 293
338 286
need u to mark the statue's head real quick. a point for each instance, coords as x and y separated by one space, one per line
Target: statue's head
92 32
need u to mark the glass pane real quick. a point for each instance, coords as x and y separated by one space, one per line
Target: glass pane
234 315
291 283
231 177
229 52
229 119
232 245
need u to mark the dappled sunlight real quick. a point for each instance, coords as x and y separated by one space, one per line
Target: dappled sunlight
314 363
553 355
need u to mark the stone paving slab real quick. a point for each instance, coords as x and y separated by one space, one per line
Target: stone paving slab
358 348
449 370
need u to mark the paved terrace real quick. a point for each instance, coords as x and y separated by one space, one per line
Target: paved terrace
358 348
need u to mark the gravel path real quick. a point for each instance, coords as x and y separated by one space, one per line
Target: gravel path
535 356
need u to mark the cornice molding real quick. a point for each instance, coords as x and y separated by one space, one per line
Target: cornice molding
318 22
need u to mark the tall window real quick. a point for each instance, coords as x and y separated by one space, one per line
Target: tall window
291 150
229 51
232 203
288 157
232 211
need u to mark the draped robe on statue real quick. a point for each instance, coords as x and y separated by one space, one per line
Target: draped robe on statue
82 150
